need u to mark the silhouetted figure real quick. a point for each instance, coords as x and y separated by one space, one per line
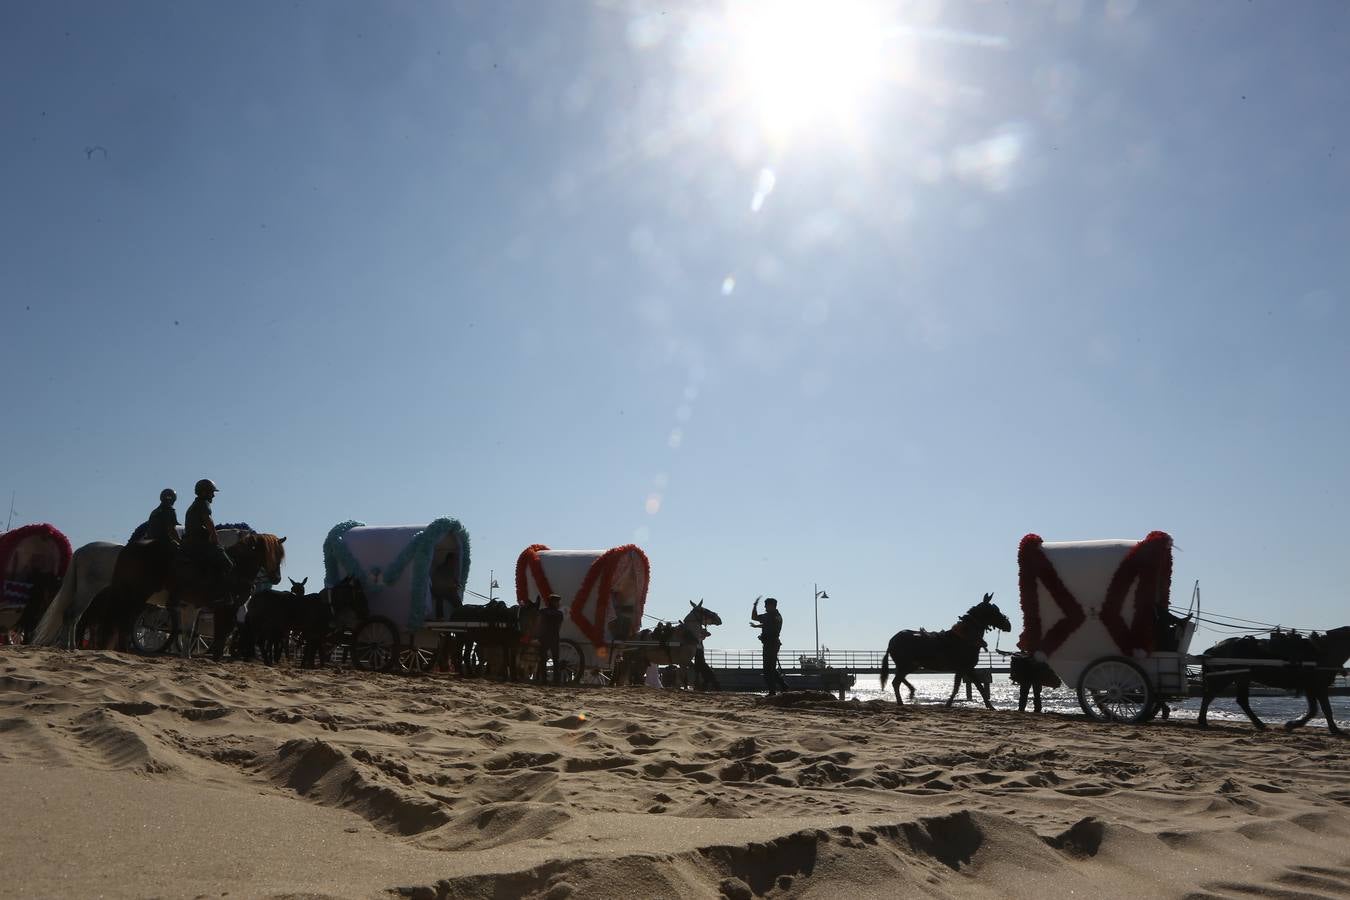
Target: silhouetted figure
549 634
200 542
770 625
162 525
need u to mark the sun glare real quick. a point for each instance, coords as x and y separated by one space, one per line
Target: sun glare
800 64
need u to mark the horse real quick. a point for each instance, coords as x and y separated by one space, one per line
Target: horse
89 572
269 618
495 635
678 645
956 649
145 568
1311 664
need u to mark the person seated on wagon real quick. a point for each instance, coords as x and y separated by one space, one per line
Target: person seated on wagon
201 544
162 526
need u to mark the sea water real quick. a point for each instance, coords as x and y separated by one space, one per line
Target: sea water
1273 710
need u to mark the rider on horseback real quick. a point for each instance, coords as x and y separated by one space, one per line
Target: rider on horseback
201 544
162 526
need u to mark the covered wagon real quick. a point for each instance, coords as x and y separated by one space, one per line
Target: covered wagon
33 560
1097 612
603 593
412 576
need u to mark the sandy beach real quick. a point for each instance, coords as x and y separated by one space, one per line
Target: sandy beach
133 777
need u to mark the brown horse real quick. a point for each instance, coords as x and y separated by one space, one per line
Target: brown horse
145 568
956 649
1305 664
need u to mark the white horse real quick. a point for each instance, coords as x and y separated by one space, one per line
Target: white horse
91 568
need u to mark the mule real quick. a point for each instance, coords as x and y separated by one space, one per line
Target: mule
956 649
679 645
1311 664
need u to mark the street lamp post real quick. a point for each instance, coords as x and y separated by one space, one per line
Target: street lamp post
818 595
492 585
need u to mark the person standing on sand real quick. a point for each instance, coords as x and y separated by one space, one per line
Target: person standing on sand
770 625
549 633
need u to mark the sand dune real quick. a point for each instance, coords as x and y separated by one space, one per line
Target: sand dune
129 777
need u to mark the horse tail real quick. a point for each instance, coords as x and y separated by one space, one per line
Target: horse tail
885 666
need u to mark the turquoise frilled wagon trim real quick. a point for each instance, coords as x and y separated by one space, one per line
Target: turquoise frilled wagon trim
338 559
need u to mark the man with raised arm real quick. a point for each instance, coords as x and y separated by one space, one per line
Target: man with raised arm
770 625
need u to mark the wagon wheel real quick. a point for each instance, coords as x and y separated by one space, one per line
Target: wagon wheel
153 630
571 663
375 645
1115 689
416 660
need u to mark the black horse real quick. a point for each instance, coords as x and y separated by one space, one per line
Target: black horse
957 649
1310 664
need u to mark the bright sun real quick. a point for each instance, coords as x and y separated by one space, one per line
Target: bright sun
799 64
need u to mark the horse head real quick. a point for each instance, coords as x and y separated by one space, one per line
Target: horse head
987 615
701 615
298 587
259 553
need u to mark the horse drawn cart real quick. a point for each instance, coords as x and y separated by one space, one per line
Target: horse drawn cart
1096 612
33 560
603 593
412 578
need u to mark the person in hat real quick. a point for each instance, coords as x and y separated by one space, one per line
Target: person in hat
162 526
549 633
770 625
200 541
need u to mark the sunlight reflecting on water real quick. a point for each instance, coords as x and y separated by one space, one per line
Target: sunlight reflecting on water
932 689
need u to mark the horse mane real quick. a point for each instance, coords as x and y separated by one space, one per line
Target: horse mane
273 551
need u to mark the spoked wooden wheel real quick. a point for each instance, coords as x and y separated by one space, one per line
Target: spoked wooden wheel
375 645
415 660
571 663
153 630
1116 689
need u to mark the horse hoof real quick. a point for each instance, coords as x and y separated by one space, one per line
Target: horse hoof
1290 726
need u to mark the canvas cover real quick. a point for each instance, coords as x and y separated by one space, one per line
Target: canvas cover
403 568
1088 599
28 551
604 593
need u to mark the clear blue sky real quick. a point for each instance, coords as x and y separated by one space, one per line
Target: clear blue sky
858 299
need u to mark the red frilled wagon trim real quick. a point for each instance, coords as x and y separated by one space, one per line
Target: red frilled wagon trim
529 560
601 572
11 539
1148 565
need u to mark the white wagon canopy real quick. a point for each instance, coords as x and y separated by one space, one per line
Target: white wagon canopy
411 574
1097 613
604 592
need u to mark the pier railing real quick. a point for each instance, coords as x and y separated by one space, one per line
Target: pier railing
847 660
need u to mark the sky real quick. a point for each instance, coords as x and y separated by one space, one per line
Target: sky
790 294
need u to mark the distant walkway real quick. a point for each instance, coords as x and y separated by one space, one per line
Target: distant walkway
861 662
